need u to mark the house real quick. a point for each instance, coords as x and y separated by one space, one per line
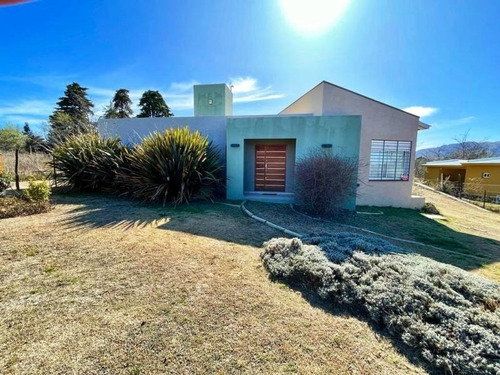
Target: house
477 176
261 151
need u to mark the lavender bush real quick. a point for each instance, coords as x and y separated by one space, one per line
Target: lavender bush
450 315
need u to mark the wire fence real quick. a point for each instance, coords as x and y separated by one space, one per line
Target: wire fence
474 191
483 192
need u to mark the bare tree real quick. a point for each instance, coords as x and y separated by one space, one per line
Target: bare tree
469 149
437 154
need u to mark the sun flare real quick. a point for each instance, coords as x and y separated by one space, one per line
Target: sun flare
313 16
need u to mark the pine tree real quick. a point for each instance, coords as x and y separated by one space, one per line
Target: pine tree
120 106
34 143
152 104
72 114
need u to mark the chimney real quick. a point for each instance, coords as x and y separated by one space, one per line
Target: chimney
213 100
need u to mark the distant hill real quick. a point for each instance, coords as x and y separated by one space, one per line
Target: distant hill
493 147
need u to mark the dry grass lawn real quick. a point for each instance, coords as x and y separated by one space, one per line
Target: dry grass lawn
481 227
32 165
106 286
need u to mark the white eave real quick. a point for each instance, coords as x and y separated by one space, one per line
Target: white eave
445 163
423 126
461 162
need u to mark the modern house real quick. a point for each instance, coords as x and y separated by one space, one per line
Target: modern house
477 176
261 151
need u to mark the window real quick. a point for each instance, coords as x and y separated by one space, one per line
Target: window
390 160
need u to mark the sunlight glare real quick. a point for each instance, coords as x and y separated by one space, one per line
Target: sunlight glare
313 16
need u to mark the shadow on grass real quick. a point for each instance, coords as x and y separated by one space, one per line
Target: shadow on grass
214 220
413 355
229 224
226 223
463 250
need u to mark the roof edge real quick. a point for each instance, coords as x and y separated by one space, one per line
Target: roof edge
420 126
462 162
300 97
373 100
423 126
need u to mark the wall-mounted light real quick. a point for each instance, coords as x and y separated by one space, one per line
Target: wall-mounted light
326 145
210 102
235 145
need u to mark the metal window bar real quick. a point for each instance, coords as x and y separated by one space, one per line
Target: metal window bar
383 154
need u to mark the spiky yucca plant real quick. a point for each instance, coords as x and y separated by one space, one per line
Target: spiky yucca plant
172 166
88 162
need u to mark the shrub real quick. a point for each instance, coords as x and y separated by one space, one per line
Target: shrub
173 166
324 181
451 316
430 208
88 162
14 206
449 187
38 191
5 180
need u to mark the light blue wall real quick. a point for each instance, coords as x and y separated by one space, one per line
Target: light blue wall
132 130
309 132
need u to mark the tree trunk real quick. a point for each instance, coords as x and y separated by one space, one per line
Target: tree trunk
16 170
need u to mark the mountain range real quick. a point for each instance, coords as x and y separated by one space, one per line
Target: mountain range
444 150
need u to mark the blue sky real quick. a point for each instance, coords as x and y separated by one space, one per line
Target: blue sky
442 56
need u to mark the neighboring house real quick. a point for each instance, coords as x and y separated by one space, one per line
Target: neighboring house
261 151
477 175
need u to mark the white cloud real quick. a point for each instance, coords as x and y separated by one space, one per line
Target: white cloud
54 81
178 95
243 85
246 89
421 111
454 122
35 112
19 120
99 91
27 107
183 86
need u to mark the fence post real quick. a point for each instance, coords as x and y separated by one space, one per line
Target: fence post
484 199
55 175
16 170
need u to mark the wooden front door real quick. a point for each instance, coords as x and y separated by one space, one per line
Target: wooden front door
270 167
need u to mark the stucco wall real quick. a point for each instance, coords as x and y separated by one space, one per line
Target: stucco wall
309 132
220 96
491 185
133 129
379 122
474 181
433 174
311 102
